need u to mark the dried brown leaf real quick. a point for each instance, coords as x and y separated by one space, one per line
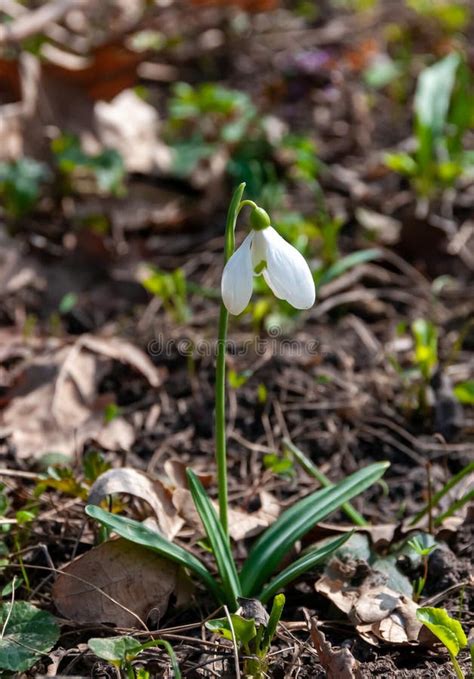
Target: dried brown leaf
245 524
125 352
133 482
340 663
129 125
55 405
377 611
117 582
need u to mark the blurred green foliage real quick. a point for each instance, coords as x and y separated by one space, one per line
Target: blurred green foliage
20 184
106 168
444 112
171 288
451 16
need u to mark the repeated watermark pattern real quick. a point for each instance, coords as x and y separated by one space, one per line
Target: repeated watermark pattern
274 344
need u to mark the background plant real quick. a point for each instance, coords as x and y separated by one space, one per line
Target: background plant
443 109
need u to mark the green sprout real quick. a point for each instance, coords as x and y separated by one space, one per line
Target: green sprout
252 631
423 547
443 115
121 652
171 288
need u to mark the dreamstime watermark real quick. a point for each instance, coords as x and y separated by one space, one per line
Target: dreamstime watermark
257 346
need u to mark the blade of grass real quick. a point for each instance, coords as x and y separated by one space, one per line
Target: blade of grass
454 506
218 540
349 262
312 470
170 651
142 535
468 469
277 540
301 566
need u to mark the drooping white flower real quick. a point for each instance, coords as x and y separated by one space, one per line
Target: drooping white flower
284 269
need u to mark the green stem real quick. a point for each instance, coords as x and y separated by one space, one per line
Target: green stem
220 437
311 469
457 668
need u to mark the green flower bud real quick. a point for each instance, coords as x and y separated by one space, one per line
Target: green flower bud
259 219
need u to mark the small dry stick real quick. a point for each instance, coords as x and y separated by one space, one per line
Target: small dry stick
234 641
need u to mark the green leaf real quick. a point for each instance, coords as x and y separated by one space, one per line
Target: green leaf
433 93
453 481
187 154
109 170
464 392
301 566
445 628
244 629
275 615
115 649
20 183
277 540
381 71
28 634
169 649
432 101
454 506
141 535
67 303
349 262
218 541
425 335
402 163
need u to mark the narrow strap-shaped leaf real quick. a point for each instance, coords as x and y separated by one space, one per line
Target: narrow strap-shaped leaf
275 615
278 539
301 566
468 469
142 535
218 540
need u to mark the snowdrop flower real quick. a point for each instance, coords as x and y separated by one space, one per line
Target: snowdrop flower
265 252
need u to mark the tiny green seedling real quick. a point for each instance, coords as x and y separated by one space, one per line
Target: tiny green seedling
252 631
171 288
122 651
424 363
448 630
282 465
425 336
423 548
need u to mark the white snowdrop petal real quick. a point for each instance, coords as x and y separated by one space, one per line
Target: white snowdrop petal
237 278
287 272
259 248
